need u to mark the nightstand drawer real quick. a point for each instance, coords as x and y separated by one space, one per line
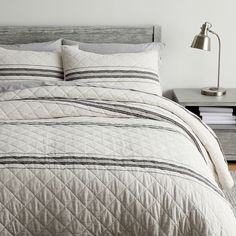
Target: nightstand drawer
228 142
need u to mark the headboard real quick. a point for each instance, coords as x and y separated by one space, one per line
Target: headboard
89 34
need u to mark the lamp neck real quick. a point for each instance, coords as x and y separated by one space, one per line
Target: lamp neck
219 56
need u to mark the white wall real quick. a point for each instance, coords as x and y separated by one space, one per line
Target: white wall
180 19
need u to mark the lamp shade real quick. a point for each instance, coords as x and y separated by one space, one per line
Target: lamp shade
202 41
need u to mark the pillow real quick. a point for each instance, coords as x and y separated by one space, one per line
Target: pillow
111 48
50 46
135 71
29 65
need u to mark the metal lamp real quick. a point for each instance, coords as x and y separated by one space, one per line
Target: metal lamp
203 42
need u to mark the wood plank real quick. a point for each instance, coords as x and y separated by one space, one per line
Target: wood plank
232 166
89 34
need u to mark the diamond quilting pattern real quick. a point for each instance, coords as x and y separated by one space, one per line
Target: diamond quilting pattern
75 58
76 169
97 204
81 139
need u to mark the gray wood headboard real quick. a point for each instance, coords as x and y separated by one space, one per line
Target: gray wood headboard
89 34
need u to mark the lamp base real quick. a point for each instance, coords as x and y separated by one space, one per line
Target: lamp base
213 91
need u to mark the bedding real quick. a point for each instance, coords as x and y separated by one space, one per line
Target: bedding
132 71
51 46
112 48
78 159
28 65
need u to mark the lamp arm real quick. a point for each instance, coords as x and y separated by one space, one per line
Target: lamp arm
219 56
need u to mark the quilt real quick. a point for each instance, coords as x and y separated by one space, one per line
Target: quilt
77 159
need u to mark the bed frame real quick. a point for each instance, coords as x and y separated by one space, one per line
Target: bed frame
89 34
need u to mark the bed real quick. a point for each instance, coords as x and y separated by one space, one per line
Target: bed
93 159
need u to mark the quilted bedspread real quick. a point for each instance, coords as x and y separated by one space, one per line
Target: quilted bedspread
84 160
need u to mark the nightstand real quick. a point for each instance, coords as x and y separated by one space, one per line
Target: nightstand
192 99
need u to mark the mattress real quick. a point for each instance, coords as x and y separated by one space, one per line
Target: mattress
77 159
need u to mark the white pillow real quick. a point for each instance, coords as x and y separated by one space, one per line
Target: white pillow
29 65
135 71
112 48
51 46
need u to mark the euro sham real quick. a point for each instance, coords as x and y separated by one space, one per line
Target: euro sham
28 65
131 71
51 46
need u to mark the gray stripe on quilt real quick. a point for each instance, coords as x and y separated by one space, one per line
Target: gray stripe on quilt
128 110
144 114
157 127
99 161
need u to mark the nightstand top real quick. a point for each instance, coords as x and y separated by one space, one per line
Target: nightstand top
193 97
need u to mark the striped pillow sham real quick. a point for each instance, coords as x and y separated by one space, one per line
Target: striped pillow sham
28 65
134 71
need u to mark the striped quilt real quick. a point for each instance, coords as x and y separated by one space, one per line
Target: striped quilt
77 159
